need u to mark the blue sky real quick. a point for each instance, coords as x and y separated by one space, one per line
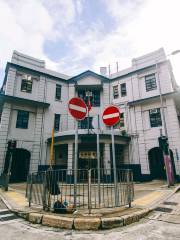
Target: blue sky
76 35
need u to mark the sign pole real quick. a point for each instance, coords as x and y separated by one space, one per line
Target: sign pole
88 116
75 163
98 163
114 167
111 116
78 110
51 160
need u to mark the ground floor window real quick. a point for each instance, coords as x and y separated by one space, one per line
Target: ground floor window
22 119
84 123
155 117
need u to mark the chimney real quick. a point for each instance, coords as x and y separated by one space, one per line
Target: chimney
103 71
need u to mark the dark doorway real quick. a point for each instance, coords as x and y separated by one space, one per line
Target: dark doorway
20 164
89 151
156 163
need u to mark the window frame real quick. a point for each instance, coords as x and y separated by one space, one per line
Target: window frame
83 124
20 121
25 81
155 118
58 97
123 91
150 82
58 123
122 122
115 91
95 99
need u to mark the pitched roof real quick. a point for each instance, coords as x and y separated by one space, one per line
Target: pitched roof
85 74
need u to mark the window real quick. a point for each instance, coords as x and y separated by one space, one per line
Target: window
115 92
95 99
22 119
84 123
26 83
123 90
58 92
56 122
122 120
150 82
155 117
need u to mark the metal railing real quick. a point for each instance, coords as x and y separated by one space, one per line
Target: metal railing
53 189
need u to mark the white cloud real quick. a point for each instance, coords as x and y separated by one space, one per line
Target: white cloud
26 25
144 27
140 27
123 10
21 31
79 6
62 12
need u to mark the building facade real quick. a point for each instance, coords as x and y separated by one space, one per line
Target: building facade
34 100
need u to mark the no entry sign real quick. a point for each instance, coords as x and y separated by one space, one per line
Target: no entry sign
111 115
77 108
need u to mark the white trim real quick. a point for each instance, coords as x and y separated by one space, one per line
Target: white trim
112 115
78 108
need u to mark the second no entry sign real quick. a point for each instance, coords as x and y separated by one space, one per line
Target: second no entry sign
111 115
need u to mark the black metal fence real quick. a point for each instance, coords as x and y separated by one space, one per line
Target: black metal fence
55 189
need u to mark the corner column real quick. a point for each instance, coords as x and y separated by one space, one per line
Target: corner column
4 133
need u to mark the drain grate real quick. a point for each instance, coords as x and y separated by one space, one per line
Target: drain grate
163 209
170 203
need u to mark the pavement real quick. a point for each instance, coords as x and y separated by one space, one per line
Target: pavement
147 197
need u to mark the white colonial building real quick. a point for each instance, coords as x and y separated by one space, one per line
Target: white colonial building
33 100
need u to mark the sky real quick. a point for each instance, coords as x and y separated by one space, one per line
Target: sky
75 35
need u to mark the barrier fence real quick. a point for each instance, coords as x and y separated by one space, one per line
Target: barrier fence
55 189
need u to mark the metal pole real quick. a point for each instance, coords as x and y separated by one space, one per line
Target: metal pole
75 164
30 192
88 113
114 167
89 191
161 100
98 164
167 158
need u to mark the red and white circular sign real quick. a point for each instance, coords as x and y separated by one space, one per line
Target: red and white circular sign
77 108
111 115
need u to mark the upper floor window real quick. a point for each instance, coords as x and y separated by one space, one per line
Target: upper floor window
123 90
122 120
26 83
58 92
22 119
57 122
94 99
84 123
150 82
115 92
155 117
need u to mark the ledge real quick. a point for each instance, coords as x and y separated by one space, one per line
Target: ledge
12 99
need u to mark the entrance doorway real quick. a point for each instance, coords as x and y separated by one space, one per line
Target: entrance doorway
20 164
156 163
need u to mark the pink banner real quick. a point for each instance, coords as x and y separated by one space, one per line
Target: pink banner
170 173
